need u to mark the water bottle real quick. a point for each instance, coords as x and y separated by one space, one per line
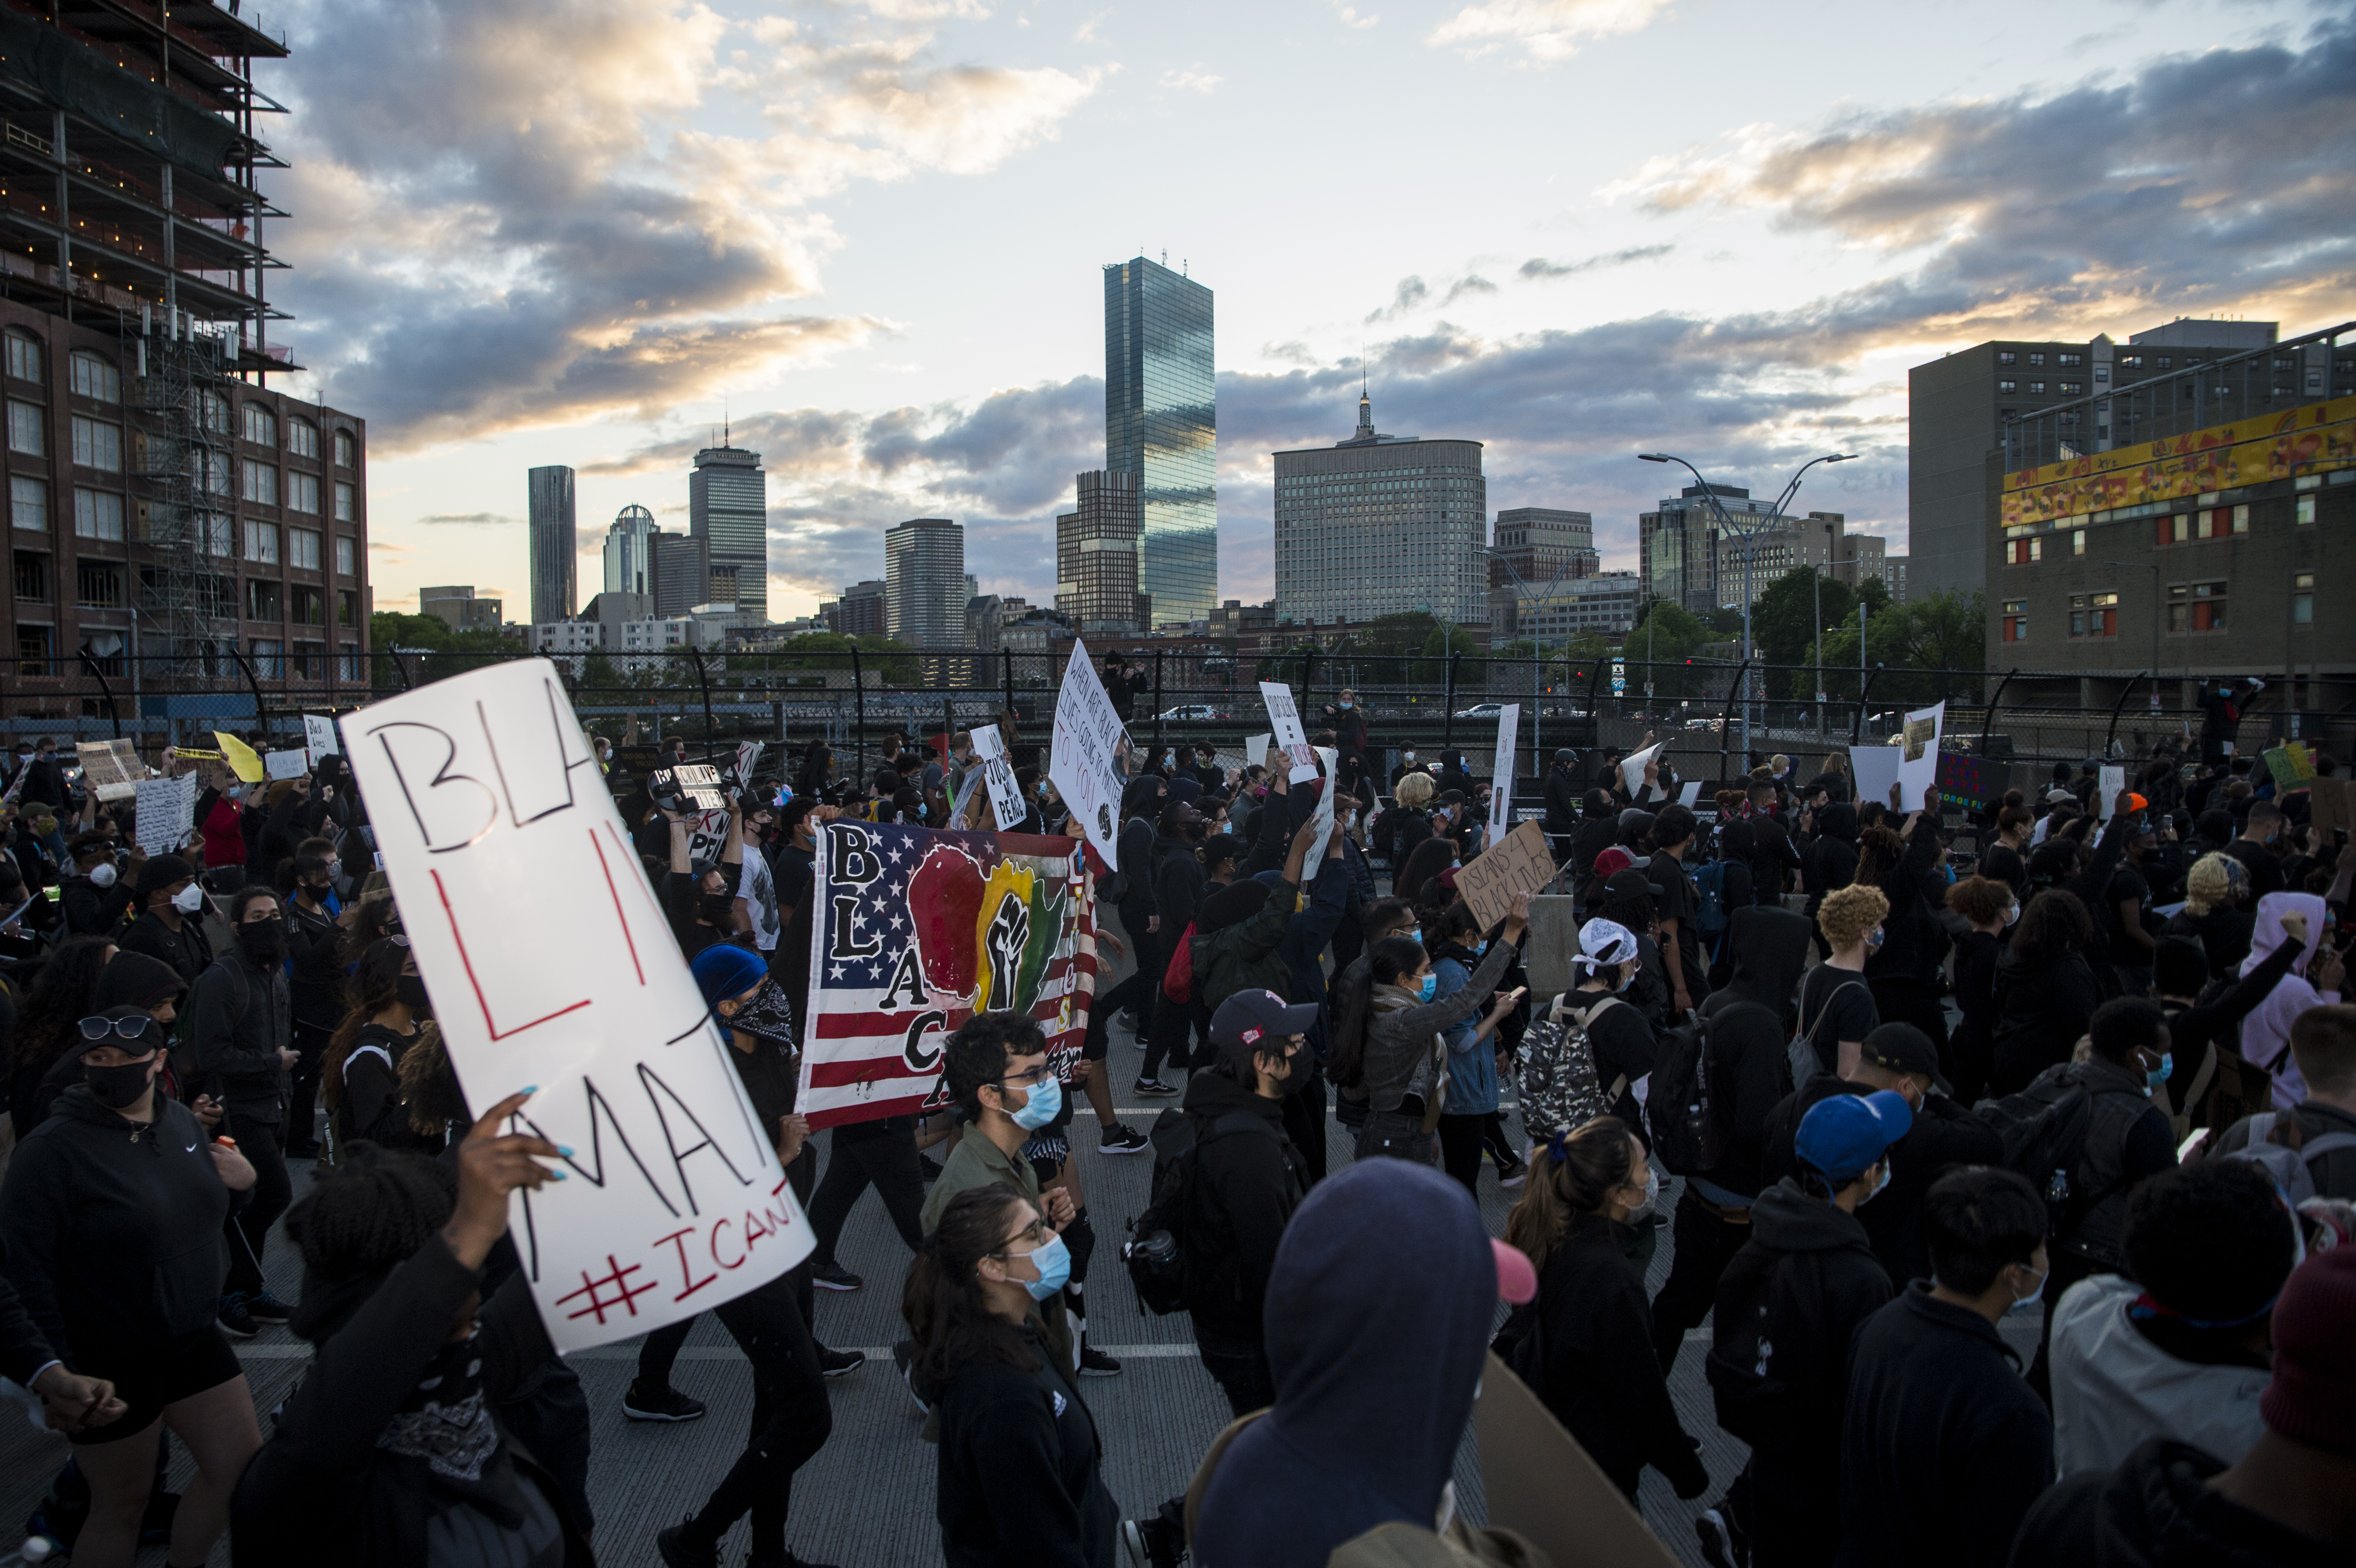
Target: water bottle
2057 1190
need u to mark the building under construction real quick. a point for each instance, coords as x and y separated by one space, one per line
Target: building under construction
182 537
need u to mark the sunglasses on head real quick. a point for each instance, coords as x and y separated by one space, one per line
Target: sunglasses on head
97 1029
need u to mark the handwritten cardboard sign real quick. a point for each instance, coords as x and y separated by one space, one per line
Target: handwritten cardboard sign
1005 795
1517 863
2329 805
293 764
550 963
109 767
1088 760
167 812
1285 719
319 737
1540 1484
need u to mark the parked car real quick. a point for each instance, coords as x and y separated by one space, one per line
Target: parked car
1191 711
1483 710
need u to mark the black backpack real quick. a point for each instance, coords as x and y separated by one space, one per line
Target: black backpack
1689 1112
1764 1361
2045 1140
1156 1249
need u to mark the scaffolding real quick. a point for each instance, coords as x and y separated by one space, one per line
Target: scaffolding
182 454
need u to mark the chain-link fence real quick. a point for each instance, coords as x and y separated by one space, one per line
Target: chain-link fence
1715 718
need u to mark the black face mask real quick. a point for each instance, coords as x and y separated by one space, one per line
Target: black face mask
769 1016
118 1088
720 909
1301 1067
409 989
264 941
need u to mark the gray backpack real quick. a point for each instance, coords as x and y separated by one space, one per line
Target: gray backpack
2287 1165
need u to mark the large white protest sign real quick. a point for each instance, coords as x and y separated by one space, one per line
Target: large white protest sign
1255 750
293 764
319 737
1631 768
1087 759
1501 773
550 963
1005 795
1874 769
748 757
1285 719
2109 782
166 814
1918 748
1322 816
707 838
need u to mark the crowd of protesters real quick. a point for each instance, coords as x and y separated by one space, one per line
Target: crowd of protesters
1911 1071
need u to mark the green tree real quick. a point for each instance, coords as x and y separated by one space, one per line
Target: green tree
1876 594
1783 626
1919 645
1726 621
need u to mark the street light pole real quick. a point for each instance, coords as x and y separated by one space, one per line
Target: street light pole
1749 542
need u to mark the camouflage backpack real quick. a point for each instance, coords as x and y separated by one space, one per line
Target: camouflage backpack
1559 1089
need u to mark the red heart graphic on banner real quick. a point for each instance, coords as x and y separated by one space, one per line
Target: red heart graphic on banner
944 899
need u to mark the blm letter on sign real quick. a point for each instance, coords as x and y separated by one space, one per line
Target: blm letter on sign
550 963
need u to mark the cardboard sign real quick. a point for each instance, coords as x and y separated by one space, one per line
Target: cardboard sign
166 814
1632 767
1517 863
1873 769
279 765
551 962
1322 816
748 757
2290 765
2330 806
109 767
1005 795
1285 719
1087 759
1501 773
1542 1485
1918 748
319 737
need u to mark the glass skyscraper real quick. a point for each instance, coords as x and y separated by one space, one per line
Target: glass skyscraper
728 508
630 551
1161 425
550 513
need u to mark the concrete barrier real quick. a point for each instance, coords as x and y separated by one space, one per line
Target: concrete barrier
1553 944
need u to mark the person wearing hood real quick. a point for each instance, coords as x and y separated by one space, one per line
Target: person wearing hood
1407 1057
1943 1447
111 1219
1750 1022
93 895
1452 774
1598 829
1177 898
1988 906
1832 858
2197 1028
2266 1033
392 1447
2288 1502
1377 1323
1141 917
1241 931
2177 1347
1562 805
170 922
1584 1346
2045 990
242 1035
1788 1306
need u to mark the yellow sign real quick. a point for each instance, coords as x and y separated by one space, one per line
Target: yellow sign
239 756
2311 439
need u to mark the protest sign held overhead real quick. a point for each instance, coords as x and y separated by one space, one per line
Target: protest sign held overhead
1322 818
1285 719
1087 759
109 767
167 812
319 737
1006 801
1517 863
1501 773
1874 769
279 765
1631 768
914 931
1918 748
552 964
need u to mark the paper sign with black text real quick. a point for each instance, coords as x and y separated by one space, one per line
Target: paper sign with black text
167 811
1088 760
1501 772
1005 795
1322 816
2109 783
1517 863
1285 719
279 765
550 963
319 737
109 767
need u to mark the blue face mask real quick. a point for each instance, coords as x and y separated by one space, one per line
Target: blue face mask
2159 1075
1045 1103
1054 1261
1429 986
1482 945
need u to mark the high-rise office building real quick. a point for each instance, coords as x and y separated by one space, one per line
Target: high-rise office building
1380 525
1096 558
630 551
683 575
550 512
924 583
1160 426
1677 546
728 505
857 610
1538 544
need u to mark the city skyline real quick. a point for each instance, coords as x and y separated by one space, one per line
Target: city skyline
735 209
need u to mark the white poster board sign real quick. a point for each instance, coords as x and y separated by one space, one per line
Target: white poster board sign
1322 818
1255 750
276 765
748 757
2109 783
1500 774
319 737
1631 768
1874 769
1690 794
1087 759
966 792
551 964
167 812
1285 719
1005 795
1917 749
707 836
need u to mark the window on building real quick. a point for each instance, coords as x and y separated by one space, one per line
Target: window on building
220 531
302 438
2093 615
260 483
347 607
347 662
2240 519
2196 607
24 429
310 606
96 377
98 443
2070 388
262 542
2168 362
262 601
2077 541
2302 598
98 584
2068 359
35 648
346 556
2016 620
2102 374
301 491
98 515
2006 356
347 450
346 507
213 410
23 354
269 658
213 473
2036 387
32 576
28 502
2037 359
2008 386
2303 510
302 549
2025 552
261 425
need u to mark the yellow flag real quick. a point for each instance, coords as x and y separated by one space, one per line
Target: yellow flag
240 757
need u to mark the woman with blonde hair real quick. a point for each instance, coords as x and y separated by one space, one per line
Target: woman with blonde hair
1407 824
2216 913
1838 1008
1585 1345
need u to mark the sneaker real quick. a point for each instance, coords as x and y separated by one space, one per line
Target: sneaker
660 1404
834 1277
1151 1089
1150 1544
1119 1139
678 1552
1723 1545
1515 1174
264 1307
233 1319
929 1167
1095 1363
1127 1020
835 1363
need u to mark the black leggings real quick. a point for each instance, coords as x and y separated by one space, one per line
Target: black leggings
886 1161
660 1348
1172 1020
791 1420
249 1228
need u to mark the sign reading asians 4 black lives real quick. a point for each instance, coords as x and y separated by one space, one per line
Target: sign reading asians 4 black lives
550 963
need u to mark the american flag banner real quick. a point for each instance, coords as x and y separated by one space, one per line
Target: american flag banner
915 930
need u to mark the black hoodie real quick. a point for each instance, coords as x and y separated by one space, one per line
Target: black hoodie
1247 1182
1747 1039
113 1228
2157 1510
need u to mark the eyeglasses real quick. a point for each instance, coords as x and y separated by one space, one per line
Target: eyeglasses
1035 1233
97 1029
1030 1080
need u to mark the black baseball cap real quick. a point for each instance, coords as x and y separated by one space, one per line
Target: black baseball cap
1631 880
1902 1048
1249 1017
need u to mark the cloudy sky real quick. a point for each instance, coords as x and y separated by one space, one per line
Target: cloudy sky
534 231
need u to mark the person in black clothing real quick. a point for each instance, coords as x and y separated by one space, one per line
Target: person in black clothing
316 994
2125 904
1832 858
93 896
1620 1046
2047 987
170 924
1582 1345
2006 860
392 1445
1990 905
111 1220
1943 1447
1562 805
63 993
128 980
2254 848
2198 1030
1178 886
703 907
1737 849
361 1072
69 1402
1904 969
1678 903
1598 827
1018 1480
1123 682
1788 1306
239 1027
2220 718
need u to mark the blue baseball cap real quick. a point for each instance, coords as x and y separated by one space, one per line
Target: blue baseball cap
1845 1137
723 971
